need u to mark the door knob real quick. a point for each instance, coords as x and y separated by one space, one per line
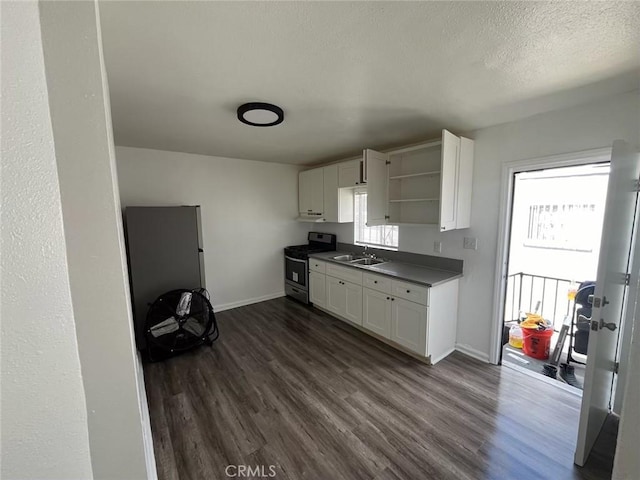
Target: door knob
610 326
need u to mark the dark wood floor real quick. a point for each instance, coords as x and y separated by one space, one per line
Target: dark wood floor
289 386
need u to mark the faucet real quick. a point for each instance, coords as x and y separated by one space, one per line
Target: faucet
365 252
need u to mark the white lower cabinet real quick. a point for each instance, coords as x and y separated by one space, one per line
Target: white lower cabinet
317 289
409 325
376 315
417 318
336 296
344 299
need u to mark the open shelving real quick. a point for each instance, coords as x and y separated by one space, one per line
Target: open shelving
423 184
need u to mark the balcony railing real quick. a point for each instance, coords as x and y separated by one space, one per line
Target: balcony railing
524 291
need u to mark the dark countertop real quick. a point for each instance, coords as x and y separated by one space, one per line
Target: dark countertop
429 277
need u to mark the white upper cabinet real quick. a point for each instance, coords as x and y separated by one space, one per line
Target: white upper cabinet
377 188
338 202
349 174
425 184
325 194
311 192
465 182
448 180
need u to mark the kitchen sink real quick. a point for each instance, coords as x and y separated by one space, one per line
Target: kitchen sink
345 258
368 261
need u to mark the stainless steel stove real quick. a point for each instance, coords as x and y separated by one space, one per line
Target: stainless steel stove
296 263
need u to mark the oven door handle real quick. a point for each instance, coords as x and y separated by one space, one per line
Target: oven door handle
295 259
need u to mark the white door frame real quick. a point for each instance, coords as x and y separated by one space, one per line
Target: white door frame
585 157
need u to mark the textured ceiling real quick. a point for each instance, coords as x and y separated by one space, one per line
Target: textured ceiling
353 74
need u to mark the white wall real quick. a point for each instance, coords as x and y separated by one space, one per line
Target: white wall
585 127
627 461
248 212
44 415
79 102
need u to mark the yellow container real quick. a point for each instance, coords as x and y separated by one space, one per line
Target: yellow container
515 336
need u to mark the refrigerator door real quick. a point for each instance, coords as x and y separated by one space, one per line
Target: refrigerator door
164 254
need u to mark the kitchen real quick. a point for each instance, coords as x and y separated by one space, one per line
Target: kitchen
373 351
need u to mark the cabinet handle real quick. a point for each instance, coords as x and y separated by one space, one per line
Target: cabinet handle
392 299
408 291
375 281
387 298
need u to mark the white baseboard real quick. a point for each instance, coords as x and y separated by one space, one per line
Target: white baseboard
472 352
249 301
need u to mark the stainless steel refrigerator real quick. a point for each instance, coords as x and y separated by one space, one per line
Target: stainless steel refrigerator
164 247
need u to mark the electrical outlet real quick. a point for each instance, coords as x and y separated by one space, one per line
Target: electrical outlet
437 247
471 243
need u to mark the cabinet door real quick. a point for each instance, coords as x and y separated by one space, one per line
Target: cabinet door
317 288
330 188
317 190
376 165
449 180
465 181
376 315
349 174
409 325
353 302
336 296
304 192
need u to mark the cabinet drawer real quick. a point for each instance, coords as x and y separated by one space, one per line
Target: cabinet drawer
376 282
344 273
410 291
317 265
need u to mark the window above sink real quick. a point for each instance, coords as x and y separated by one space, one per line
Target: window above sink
380 236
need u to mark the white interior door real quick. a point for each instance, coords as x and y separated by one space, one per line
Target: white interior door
610 295
377 192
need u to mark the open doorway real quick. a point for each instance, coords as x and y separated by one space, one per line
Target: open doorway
553 248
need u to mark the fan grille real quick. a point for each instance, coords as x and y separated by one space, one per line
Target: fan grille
179 320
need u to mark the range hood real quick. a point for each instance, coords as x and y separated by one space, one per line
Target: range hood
313 218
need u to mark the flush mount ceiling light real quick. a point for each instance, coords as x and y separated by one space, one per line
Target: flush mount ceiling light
258 114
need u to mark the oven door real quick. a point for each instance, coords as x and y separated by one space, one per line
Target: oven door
295 271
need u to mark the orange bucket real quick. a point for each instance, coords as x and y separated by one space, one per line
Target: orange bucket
536 343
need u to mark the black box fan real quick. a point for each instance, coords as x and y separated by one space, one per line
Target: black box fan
178 321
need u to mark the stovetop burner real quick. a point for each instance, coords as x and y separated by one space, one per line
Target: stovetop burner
303 251
318 242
